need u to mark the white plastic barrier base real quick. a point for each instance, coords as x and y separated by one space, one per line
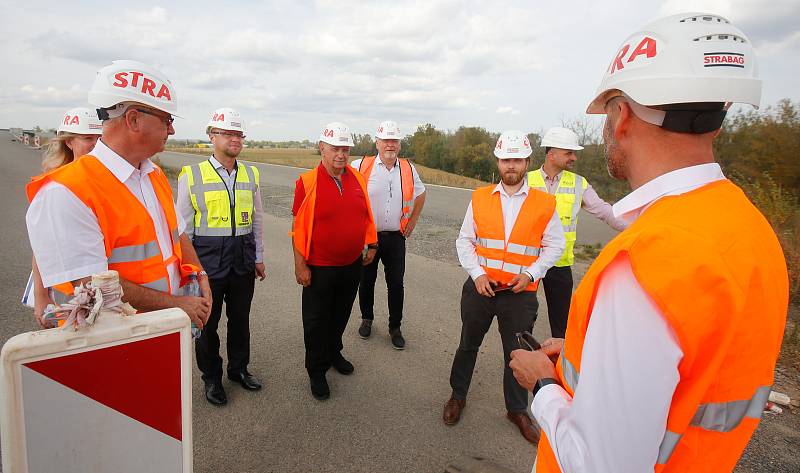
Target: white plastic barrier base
114 397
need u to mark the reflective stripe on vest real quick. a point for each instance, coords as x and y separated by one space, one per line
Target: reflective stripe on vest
406 184
569 197
207 187
130 254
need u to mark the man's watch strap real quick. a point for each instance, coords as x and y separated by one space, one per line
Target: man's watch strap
202 274
372 246
542 383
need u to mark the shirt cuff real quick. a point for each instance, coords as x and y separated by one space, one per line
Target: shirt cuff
548 397
536 271
476 273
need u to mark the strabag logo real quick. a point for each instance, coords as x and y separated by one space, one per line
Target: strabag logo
723 59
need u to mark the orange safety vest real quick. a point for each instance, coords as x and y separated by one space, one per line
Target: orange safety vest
714 267
501 261
406 185
304 220
129 234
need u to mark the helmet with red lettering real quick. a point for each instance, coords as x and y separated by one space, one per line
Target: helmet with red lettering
226 119
389 130
513 144
688 58
336 134
131 81
81 121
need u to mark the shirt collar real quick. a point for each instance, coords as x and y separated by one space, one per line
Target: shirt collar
214 162
119 167
544 174
672 183
380 162
522 190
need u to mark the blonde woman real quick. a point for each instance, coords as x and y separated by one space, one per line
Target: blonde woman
77 134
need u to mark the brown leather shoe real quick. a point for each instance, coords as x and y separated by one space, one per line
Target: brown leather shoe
452 411
527 427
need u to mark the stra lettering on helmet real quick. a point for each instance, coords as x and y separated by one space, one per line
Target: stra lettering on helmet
646 48
72 120
131 79
218 117
723 59
499 144
328 133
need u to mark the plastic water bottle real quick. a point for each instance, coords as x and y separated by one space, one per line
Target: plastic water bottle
192 288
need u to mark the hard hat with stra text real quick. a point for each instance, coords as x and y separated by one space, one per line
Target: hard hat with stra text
513 144
132 81
81 121
336 134
389 130
226 119
681 59
563 138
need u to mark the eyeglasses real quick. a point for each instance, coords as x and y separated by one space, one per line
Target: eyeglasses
229 134
167 121
527 342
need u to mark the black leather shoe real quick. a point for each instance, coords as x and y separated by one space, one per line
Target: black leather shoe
343 366
319 387
365 330
247 380
398 342
215 394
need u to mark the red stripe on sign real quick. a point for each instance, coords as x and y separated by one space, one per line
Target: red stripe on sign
140 379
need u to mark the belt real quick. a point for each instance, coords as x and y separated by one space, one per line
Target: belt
394 232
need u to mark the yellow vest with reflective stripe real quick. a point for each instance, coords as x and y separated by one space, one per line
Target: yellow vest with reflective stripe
211 200
569 196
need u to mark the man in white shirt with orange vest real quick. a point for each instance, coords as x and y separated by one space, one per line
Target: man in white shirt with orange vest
510 237
113 208
674 330
397 196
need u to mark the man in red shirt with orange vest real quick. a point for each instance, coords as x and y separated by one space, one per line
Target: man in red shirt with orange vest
333 236
510 237
674 330
397 196
113 208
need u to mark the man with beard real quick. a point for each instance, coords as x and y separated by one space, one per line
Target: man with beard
397 196
572 192
510 237
333 235
674 330
112 209
220 200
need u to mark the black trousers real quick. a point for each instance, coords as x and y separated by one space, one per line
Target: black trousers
236 291
392 252
558 293
515 313
327 303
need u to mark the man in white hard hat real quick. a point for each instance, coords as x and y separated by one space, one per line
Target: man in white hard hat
220 200
113 208
397 196
333 236
510 237
572 192
675 329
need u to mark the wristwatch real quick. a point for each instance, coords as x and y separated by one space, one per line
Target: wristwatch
202 274
542 383
527 273
372 246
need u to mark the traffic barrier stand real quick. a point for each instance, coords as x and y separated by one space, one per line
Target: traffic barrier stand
106 392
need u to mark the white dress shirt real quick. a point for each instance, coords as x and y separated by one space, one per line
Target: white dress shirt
553 241
65 234
629 364
186 209
386 195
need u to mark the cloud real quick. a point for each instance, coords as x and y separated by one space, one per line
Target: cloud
153 16
51 96
507 111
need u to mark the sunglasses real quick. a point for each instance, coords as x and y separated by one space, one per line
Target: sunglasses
526 341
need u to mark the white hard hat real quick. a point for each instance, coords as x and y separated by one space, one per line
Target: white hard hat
81 121
336 134
513 144
389 130
680 59
226 119
131 81
562 138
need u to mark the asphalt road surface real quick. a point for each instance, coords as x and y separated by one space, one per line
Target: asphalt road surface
386 417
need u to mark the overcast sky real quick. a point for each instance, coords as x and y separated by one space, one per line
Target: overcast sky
291 66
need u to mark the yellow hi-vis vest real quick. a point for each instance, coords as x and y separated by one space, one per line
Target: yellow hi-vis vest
211 200
569 196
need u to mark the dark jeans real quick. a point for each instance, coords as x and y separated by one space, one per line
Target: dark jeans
392 252
558 293
237 292
327 303
515 313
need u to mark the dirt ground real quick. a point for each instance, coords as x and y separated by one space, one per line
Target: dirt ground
776 443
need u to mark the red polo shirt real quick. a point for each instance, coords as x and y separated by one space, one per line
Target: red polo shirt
340 219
